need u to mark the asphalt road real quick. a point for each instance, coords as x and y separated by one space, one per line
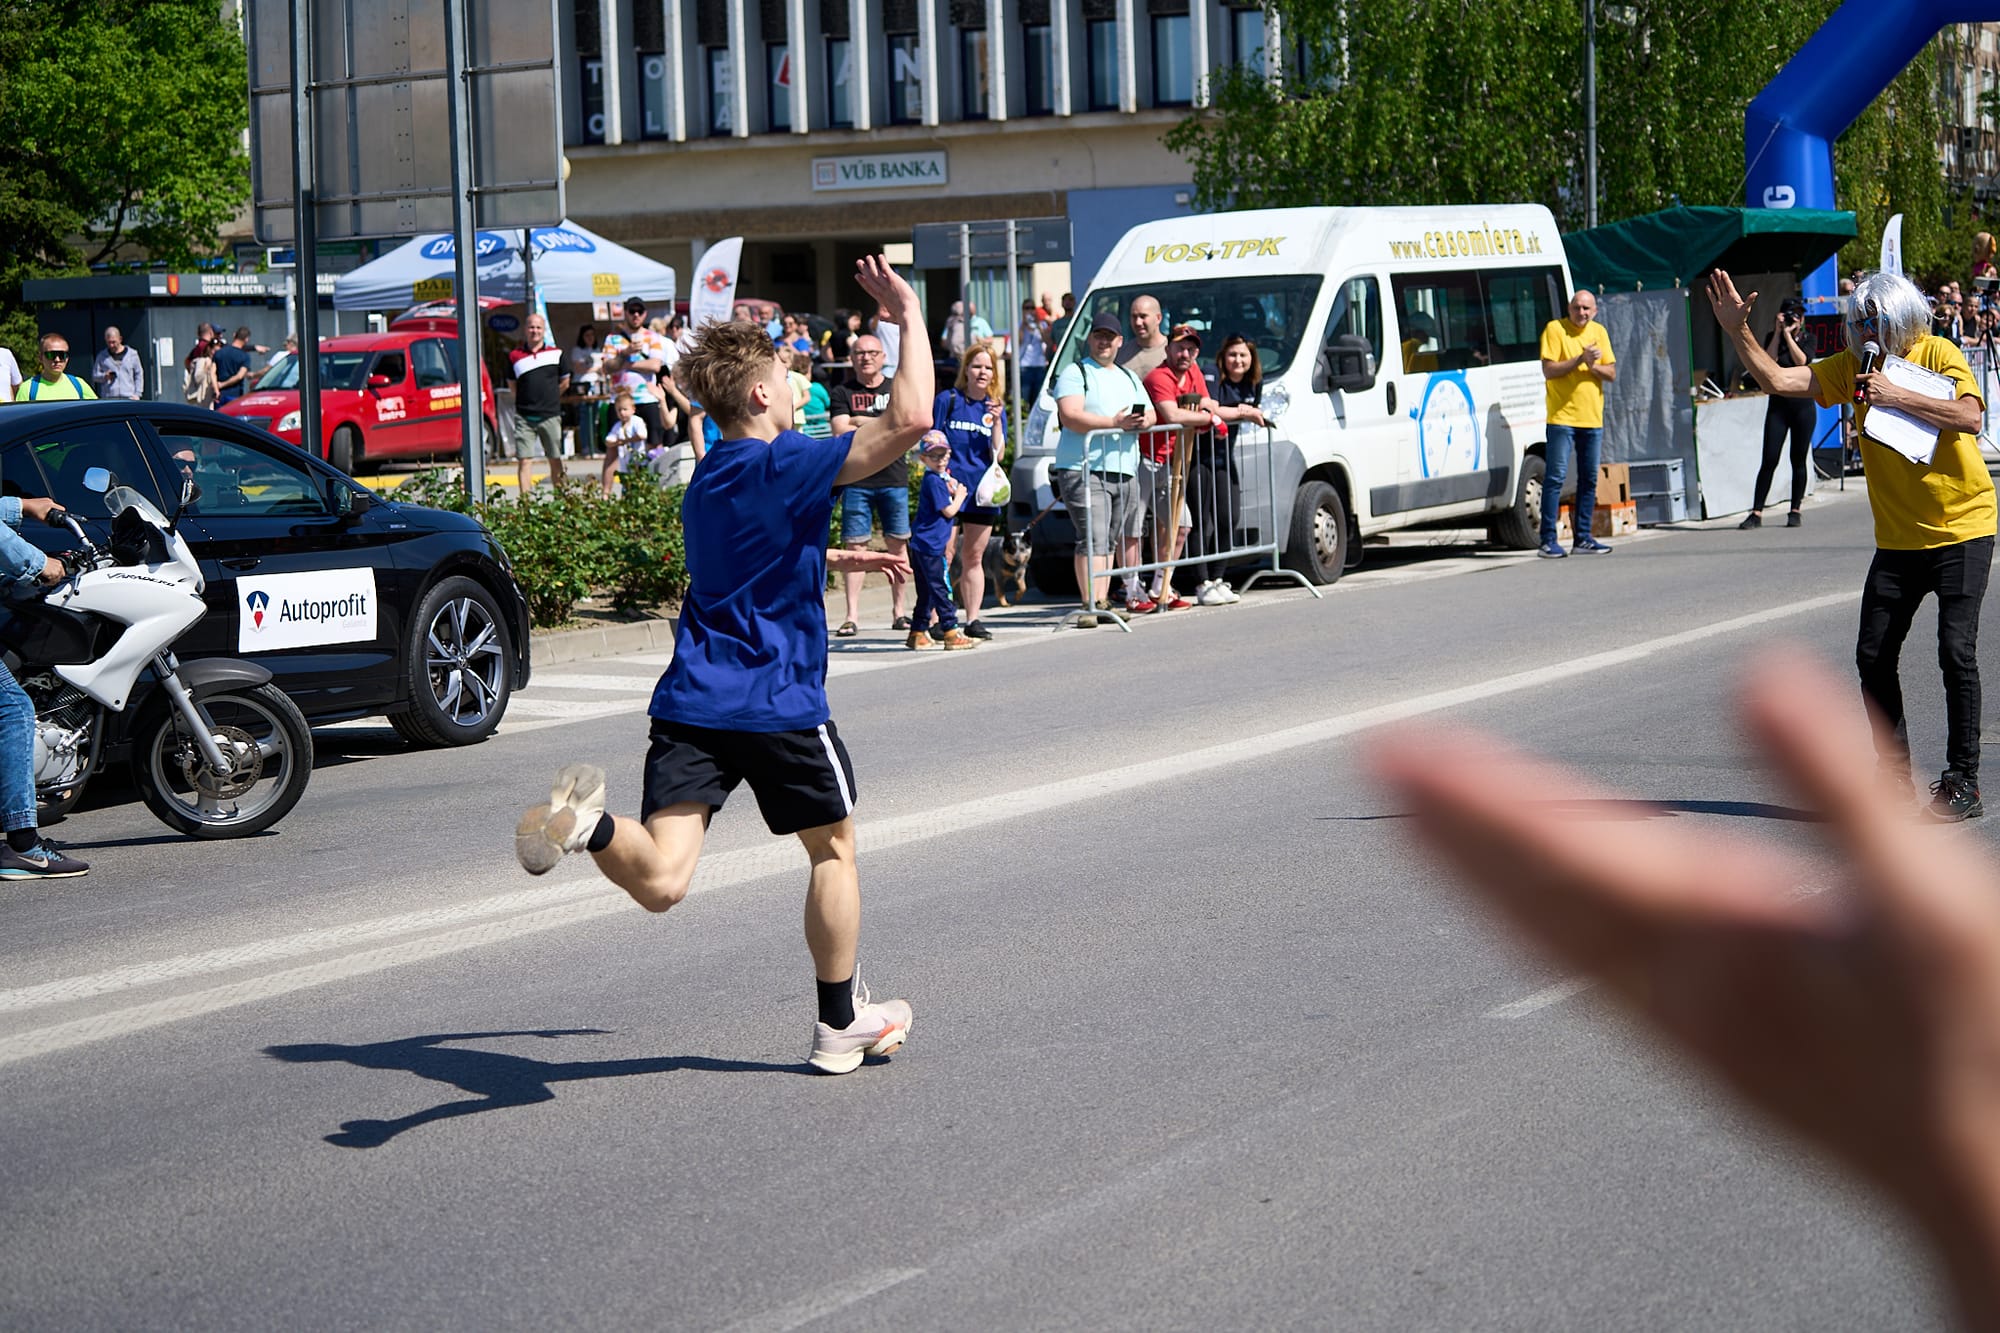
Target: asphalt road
1199 1043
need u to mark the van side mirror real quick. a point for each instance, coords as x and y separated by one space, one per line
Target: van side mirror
1347 365
379 381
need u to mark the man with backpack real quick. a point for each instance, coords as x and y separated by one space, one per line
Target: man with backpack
54 383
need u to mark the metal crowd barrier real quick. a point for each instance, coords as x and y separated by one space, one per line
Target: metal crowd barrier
1216 507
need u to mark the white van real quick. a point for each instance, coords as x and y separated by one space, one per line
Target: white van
1400 347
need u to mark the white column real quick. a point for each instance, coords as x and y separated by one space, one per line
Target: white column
996 59
861 62
1198 15
1059 65
672 20
739 71
795 45
1274 49
927 57
1128 64
611 68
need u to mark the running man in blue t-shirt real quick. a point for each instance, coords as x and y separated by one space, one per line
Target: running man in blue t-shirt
744 699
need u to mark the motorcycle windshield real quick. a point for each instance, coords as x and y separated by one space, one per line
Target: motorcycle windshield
120 498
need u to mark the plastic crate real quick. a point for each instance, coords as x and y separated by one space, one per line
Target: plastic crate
1670 507
1657 476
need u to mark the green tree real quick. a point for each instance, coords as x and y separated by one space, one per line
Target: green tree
125 138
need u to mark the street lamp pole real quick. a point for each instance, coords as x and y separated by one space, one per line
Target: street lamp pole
1590 112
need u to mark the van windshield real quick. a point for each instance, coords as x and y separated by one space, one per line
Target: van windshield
1270 311
337 370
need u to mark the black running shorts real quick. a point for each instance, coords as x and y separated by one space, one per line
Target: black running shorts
802 779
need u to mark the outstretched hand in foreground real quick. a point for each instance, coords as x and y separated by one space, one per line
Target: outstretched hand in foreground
1867 1021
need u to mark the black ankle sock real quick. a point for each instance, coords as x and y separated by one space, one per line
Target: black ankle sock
600 837
836 1003
24 840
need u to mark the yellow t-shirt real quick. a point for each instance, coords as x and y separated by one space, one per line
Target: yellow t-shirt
1576 399
1918 507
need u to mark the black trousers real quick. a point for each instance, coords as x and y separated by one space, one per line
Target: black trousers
1782 416
1898 582
1214 506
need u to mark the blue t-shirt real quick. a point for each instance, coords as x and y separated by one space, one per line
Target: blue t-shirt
229 358
974 444
750 651
930 527
1108 391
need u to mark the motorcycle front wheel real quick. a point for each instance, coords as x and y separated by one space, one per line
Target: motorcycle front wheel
270 743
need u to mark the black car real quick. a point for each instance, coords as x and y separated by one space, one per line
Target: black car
358 605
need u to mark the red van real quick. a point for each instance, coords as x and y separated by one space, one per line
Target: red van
383 397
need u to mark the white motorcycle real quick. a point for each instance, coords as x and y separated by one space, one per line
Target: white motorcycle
217 750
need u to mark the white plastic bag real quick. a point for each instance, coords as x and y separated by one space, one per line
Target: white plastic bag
994 490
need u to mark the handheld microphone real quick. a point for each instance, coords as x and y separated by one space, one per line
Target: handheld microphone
1871 352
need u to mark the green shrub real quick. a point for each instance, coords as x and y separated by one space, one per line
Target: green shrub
570 542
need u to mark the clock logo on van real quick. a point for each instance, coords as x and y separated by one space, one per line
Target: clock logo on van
1448 426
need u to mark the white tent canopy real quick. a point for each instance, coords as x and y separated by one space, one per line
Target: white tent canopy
572 264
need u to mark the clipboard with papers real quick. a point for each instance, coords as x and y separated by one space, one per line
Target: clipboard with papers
1893 429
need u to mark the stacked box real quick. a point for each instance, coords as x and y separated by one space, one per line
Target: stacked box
1659 491
1614 484
1610 520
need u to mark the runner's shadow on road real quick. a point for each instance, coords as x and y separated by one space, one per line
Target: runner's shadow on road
498 1081
1624 810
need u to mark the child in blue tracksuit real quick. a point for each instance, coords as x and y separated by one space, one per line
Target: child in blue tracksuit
938 502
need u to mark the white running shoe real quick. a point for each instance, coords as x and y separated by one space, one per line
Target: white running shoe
877 1029
1229 594
1212 594
547 832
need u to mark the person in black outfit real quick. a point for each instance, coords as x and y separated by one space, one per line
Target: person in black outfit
1213 490
1783 416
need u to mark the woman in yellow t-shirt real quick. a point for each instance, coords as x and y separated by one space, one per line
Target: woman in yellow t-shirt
1934 519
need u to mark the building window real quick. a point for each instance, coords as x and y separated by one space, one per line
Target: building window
653 93
1102 46
906 79
721 91
1173 60
1246 39
590 70
839 83
975 73
778 87
1038 54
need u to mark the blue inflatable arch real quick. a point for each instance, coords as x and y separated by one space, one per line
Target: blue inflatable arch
1789 129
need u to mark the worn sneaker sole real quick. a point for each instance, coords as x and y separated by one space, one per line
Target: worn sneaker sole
545 831
846 1062
16 872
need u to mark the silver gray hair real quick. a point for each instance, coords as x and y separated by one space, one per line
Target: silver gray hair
1904 316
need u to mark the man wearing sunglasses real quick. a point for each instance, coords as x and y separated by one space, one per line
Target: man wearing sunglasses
54 383
1934 521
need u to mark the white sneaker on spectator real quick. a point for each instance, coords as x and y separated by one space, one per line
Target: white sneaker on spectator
1212 594
1229 594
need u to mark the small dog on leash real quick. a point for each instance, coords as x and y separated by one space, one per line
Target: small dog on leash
1007 565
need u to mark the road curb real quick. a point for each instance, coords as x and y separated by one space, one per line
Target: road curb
580 645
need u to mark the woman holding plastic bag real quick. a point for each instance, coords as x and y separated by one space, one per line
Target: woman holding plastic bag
973 421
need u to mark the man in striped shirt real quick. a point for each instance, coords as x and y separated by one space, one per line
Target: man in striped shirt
539 379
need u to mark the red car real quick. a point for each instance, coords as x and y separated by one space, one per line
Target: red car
383 396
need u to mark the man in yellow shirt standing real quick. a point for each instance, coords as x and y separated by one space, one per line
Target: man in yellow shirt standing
1934 522
1577 363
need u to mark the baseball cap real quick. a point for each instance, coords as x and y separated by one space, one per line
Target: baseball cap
1183 331
1107 324
934 442
635 303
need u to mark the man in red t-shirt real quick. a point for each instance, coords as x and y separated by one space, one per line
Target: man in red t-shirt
1162 466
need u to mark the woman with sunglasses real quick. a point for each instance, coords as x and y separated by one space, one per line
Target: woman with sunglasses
1934 519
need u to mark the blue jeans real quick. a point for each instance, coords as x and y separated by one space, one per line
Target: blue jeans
927 571
1589 443
17 754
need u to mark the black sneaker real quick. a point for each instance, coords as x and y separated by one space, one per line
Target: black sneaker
1750 521
42 861
977 630
1953 798
1792 519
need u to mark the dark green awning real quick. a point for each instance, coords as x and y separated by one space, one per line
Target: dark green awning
1677 245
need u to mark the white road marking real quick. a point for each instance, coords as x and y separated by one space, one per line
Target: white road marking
570 710
951 821
829 1300
1541 999
642 682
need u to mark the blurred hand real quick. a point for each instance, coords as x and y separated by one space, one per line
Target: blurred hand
1869 1024
39 508
1731 311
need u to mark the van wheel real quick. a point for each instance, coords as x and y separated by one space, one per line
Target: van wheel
1320 538
1520 528
345 452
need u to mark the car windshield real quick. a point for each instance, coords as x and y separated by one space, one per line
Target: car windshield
337 370
1270 311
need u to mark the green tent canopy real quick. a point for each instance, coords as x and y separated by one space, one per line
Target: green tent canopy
1675 246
